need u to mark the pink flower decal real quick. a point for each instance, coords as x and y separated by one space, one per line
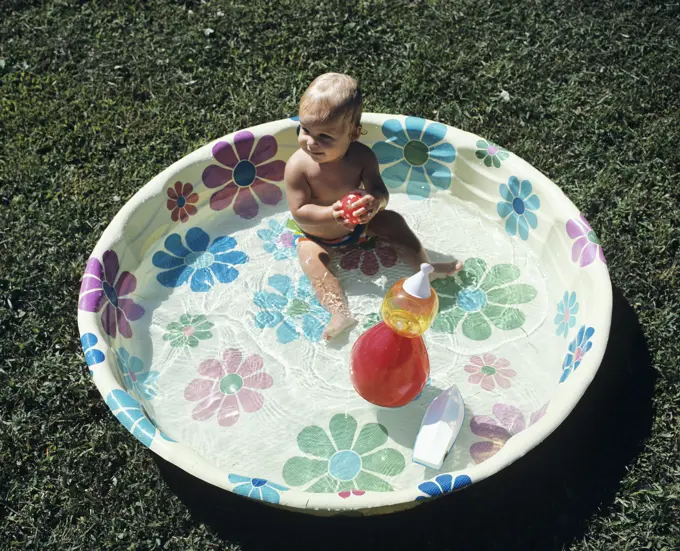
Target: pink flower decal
227 386
101 288
180 202
345 494
587 245
507 421
489 371
368 256
244 170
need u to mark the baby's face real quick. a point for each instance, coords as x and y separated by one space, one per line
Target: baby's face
326 142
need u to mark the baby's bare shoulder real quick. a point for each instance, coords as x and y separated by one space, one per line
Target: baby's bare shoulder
296 161
363 154
295 167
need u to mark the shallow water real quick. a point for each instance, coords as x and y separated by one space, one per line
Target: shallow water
307 381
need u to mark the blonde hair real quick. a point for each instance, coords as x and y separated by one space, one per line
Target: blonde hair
330 96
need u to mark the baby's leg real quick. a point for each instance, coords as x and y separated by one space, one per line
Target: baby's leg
314 260
392 226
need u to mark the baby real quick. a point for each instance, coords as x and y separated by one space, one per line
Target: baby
330 164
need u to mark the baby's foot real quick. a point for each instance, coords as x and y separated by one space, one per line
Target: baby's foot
444 269
338 324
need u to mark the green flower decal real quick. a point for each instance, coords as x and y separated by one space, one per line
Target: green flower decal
189 331
491 153
343 461
371 320
479 296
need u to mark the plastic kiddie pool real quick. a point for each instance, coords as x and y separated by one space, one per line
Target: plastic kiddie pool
204 337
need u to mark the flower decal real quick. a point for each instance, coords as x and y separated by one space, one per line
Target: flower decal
342 462
137 380
517 206
371 320
443 484
189 331
257 488
245 173
490 153
92 355
577 349
293 311
415 153
181 201
348 493
201 263
227 386
368 256
489 371
479 297
103 288
279 240
128 411
507 421
587 245
567 309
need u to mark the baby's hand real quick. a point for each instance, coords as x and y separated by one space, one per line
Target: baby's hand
339 215
367 207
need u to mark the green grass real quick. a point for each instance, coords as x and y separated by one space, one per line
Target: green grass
98 97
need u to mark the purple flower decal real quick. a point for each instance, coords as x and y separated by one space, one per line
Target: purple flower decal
101 288
587 245
507 421
245 170
181 202
368 255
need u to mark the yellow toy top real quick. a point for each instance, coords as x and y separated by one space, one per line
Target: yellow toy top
411 304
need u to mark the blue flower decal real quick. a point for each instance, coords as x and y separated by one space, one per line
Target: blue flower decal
201 263
567 309
415 153
443 484
517 204
92 355
130 414
257 488
135 378
279 240
294 310
577 349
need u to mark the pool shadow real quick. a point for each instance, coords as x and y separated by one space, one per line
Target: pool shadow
541 502
408 417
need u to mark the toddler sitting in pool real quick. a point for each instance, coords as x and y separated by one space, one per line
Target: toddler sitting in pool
330 164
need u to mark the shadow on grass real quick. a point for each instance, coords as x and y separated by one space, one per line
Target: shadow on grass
543 501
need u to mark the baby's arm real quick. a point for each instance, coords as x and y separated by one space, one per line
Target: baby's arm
373 182
377 197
